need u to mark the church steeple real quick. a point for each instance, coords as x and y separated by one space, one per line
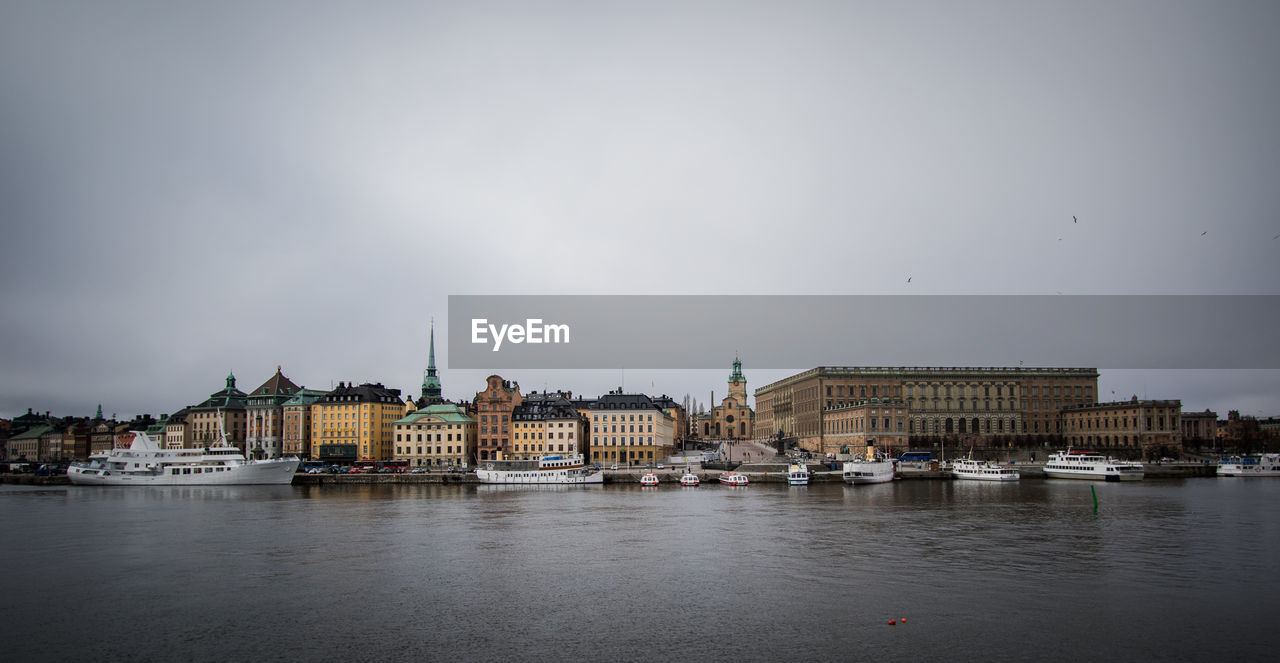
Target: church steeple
231 381
737 371
98 417
431 392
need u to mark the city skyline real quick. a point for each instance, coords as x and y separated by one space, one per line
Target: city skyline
188 190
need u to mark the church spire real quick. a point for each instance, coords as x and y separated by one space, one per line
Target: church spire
737 371
431 392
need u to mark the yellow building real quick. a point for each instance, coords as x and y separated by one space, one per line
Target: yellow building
440 435
354 423
851 428
630 428
546 424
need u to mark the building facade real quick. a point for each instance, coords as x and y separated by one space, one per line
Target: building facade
222 413
545 424
493 409
851 428
264 417
630 428
1199 428
438 435
296 432
733 418
177 432
1149 429
355 422
980 406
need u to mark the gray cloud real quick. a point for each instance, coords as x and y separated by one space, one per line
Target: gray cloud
187 189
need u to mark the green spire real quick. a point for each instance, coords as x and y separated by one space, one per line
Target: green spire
430 383
737 371
99 415
231 381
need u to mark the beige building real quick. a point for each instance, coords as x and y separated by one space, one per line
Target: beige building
223 411
977 405
440 435
296 429
1150 428
630 428
1199 427
546 424
177 432
264 417
851 428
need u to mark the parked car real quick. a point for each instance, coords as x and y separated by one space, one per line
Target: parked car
613 466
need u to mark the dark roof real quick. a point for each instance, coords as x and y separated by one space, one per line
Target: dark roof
366 393
615 400
276 385
541 406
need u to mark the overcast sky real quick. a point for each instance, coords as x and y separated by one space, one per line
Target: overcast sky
189 189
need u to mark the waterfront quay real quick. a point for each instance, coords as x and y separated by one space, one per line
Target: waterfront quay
756 472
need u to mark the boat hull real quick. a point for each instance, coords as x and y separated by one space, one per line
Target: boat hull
268 472
554 477
1092 476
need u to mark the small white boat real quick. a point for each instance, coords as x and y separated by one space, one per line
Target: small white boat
1266 465
689 479
1087 465
798 475
649 479
982 470
566 469
733 479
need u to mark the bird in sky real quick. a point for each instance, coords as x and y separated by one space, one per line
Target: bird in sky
1075 220
1059 239
908 279
1276 237
1203 233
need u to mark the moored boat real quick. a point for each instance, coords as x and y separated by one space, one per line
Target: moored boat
562 469
689 479
862 471
1079 464
982 470
1265 465
144 463
798 475
733 479
648 479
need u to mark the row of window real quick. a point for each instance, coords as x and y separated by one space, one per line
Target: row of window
614 417
409 450
596 429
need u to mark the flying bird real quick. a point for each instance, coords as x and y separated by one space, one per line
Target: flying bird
1276 237
1203 233
1074 220
908 279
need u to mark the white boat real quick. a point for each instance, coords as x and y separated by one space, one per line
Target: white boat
689 479
648 479
568 469
1087 465
861 470
982 470
144 463
798 475
1266 465
733 479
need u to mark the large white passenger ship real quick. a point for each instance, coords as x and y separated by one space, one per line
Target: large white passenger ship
1266 465
546 470
1086 465
144 463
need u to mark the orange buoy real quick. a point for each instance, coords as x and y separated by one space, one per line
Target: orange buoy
903 620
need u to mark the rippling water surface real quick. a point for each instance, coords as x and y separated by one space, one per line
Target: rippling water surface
1170 570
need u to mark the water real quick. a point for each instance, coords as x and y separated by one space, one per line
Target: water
1169 570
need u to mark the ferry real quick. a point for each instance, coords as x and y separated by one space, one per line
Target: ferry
798 475
733 479
982 470
689 479
1071 464
648 479
144 463
860 471
1266 465
568 469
